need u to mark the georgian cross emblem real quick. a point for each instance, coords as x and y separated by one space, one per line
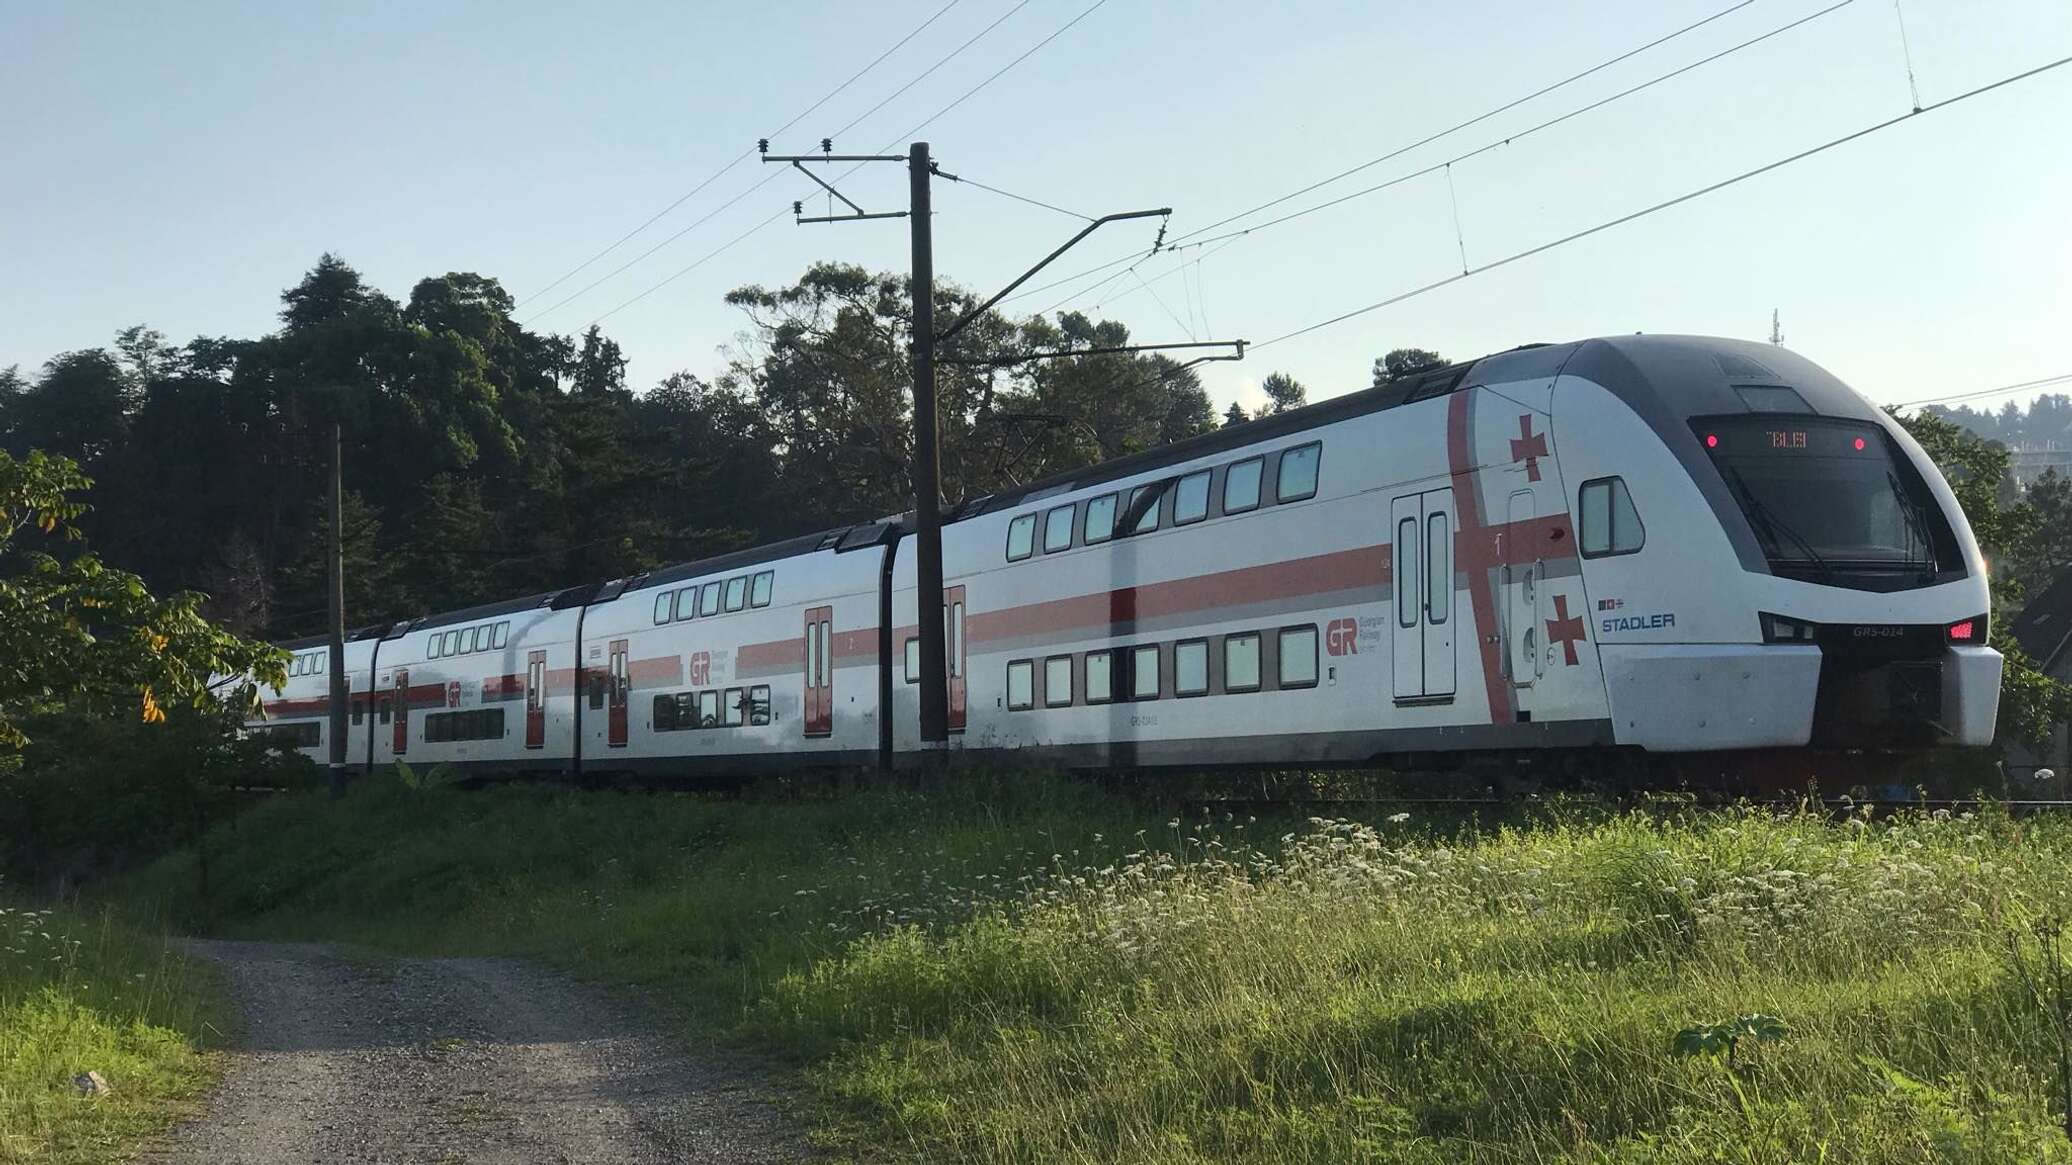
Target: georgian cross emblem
1565 629
1528 447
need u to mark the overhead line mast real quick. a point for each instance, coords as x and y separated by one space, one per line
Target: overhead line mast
927 466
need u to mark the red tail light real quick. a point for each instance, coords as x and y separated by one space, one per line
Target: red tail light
1965 632
1712 440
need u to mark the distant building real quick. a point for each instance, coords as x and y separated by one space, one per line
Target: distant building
2044 631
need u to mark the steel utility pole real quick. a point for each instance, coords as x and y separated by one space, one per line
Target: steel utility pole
927 463
339 695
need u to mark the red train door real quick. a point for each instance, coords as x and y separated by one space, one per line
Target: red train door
402 711
953 644
819 706
536 700
619 684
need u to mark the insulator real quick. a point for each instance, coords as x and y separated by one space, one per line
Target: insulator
762 145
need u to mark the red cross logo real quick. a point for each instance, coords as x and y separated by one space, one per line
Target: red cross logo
1565 629
1529 447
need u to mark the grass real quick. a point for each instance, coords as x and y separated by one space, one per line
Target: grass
1026 970
81 992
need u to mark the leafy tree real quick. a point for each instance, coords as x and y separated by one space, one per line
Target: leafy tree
2047 553
76 634
1234 415
1404 362
1283 392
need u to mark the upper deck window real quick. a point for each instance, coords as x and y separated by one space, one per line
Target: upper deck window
1100 520
1191 498
1241 486
1021 537
1298 473
1057 529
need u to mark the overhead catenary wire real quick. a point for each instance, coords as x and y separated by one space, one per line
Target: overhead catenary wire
924 123
746 154
1446 165
773 175
1980 394
1434 168
1011 194
1666 204
1475 120
693 265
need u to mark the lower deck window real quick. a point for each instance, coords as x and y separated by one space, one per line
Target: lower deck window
1057 681
1191 668
1100 677
1021 684
477 724
303 734
1144 672
1241 663
1298 650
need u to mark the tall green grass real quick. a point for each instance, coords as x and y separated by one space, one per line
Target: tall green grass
81 992
1024 970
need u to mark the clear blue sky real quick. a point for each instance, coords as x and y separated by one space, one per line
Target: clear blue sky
178 165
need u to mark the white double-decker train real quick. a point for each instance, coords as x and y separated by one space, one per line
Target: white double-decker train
1576 555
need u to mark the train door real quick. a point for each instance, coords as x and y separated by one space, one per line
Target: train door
1422 576
1521 597
536 699
617 692
953 641
402 740
818 718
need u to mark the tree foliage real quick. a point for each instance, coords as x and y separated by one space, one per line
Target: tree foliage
78 635
1402 362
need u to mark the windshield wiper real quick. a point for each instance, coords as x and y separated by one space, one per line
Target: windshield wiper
1761 512
1917 526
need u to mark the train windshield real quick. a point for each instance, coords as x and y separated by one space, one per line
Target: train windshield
1830 500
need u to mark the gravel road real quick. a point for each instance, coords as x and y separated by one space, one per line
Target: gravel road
460 1060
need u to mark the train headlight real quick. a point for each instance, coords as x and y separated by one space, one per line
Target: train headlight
1968 631
1778 629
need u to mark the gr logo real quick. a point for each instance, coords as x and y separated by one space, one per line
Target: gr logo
1342 636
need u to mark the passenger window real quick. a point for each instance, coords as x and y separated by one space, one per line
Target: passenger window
1100 685
1241 663
1609 523
503 632
1144 672
1438 567
1057 530
1298 657
1191 667
708 709
759 590
737 593
665 713
1191 498
453 643
1100 520
1298 474
1138 496
665 607
913 659
1021 684
687 603
1241 486
1021 538
359 713
1057 682
382 711
759 705
431 651
708 599
733 708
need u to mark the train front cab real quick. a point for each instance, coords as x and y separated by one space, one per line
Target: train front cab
1770 561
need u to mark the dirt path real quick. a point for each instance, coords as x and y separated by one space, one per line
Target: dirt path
459 1060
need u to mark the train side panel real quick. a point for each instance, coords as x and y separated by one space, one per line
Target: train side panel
495 693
